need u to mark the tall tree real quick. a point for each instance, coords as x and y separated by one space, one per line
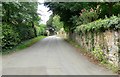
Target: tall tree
67 10
57 23
18 22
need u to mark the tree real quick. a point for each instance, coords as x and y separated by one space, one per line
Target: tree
49 22
19 21
57 23
67 10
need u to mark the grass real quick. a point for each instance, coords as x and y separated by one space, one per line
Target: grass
23 45
110 66
107 65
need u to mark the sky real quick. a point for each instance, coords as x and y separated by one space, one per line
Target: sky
44 12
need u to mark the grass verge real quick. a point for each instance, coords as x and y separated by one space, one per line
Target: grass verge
92 58
23 45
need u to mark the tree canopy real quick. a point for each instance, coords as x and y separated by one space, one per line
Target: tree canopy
20 22
73 13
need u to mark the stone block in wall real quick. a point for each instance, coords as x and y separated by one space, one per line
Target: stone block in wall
110 37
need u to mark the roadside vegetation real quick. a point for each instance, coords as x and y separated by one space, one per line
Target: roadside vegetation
86 20
23 45
92 57
78 13
21 26
20 22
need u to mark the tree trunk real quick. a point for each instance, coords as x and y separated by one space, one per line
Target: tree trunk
110 8
33 26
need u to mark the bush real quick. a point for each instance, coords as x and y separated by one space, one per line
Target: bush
99 54
25 32
10 37
100 25
40 29
88 16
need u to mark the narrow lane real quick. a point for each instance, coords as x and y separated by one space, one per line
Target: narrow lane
50 56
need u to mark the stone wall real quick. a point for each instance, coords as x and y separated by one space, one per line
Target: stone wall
108 41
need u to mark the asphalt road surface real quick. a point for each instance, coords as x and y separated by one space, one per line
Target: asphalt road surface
50 56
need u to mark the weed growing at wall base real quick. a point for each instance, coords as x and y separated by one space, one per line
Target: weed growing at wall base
99 54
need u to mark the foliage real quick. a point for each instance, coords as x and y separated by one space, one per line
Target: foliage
99 54
116 7
69 12
57 23
20 22
40 29
88 16
97 50
25 32
24 45
108 9
10 38
49 22
100 25
21 12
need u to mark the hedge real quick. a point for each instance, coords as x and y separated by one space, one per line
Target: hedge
100 25
10 37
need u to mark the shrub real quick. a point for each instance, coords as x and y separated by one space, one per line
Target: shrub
100 25
88 16
99 54
40 29
10 37
25 31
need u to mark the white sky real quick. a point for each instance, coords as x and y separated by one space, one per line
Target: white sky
44 12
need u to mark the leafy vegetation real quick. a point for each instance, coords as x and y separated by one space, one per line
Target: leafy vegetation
85 21
57 23
10 37
100 25
95 55
41 29
77 13
20 22
54 24
23 45
87 16
99 54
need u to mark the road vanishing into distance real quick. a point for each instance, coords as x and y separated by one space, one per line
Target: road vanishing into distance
50 56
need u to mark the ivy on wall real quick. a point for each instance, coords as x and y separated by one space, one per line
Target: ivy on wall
94 37
100 25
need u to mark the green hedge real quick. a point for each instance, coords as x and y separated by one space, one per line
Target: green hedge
10 37
40 30
25 32
100 25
